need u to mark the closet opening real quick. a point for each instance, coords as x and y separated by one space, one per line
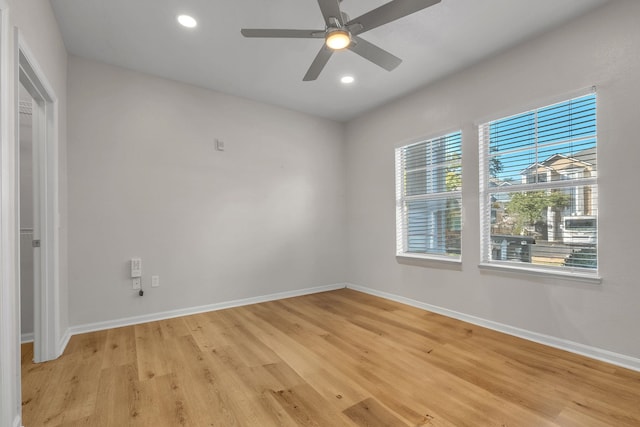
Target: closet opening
38 209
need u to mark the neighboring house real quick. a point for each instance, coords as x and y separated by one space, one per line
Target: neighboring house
559 167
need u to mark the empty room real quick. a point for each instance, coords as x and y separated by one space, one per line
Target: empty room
319 213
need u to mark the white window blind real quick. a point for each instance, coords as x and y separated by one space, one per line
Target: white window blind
538 185
428 197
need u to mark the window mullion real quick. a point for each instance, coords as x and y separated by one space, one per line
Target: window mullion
552 185
434 196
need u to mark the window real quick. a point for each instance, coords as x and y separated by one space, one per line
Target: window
428 198
539 193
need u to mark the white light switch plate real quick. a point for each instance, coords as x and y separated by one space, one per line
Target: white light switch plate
155 281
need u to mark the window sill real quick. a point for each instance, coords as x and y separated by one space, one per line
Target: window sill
433 261
580 277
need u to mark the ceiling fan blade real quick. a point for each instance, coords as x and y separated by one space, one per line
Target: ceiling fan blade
374 54
318 64
388 12
330 9
297 34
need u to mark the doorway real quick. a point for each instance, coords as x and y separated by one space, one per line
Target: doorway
43 211
26 218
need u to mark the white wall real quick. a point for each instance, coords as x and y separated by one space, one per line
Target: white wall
601 49
266 215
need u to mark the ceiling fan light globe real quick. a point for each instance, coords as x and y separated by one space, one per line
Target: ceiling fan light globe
338 39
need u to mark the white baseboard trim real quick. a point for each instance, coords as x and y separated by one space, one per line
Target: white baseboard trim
571 346
62 343
26 337
117 323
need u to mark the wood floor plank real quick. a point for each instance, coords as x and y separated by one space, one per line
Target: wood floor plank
119 348
305 406
70 390
229 387
340 358
370 413
118 391
164 400
38 386
152 358
210 329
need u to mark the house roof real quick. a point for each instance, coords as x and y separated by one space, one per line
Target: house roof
585 159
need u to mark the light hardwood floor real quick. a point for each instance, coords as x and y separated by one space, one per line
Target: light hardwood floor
339 358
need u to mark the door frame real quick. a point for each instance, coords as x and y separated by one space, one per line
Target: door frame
10 387
46 209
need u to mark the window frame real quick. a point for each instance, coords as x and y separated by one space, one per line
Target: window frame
485 192
402 243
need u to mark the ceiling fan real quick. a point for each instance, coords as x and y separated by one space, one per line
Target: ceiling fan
341 32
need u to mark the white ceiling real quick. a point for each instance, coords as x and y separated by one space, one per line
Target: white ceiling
144 35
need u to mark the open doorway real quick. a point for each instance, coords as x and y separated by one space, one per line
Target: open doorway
41 180
26 218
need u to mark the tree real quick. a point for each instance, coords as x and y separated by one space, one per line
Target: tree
527 207
495 164
495 167
558 200
453 179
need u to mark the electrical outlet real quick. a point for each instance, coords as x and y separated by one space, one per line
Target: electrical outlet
155 281
136 283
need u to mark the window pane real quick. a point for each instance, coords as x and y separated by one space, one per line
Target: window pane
546 226
426 181
515 132
569 161
433 226
514 168
540 146
567 120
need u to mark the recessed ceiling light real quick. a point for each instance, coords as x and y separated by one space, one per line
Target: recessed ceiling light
347 79
187 21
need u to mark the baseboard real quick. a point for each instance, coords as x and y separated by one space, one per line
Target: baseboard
25 338
62 343
571 346
117 323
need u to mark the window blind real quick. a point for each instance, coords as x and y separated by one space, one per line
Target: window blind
428 197
539 189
